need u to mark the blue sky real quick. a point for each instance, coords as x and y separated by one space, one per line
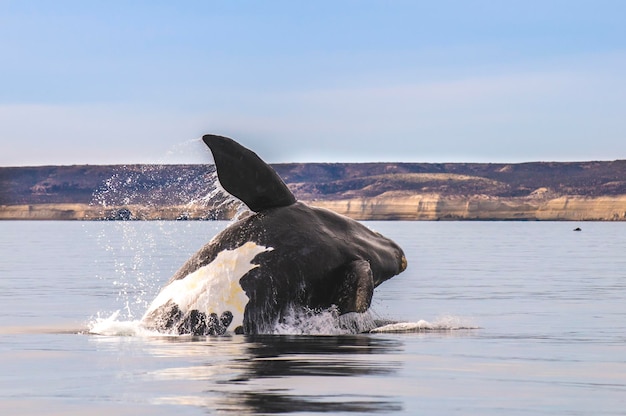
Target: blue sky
103 82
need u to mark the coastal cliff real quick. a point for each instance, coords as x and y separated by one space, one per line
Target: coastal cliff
573 191
435 207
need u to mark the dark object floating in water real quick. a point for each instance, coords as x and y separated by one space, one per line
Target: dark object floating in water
286 256
577 229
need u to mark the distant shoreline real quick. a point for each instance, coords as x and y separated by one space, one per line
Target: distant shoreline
538 191
385 208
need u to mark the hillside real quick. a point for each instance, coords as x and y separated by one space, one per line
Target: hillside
538 190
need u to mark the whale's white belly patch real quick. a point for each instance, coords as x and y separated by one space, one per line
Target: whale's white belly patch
214 288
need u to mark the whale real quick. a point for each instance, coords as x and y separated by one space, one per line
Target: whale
285 254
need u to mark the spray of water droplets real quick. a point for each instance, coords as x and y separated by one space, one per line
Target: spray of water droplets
152 192
303 321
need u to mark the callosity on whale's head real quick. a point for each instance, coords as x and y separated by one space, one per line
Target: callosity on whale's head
286 254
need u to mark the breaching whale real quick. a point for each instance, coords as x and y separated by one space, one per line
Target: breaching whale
285 254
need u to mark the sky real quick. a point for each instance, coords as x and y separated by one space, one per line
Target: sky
118 82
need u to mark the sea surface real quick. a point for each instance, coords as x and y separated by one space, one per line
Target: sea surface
508 318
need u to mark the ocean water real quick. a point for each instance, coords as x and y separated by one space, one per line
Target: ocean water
508 318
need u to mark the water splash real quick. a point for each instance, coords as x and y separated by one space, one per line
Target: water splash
148 192
304 321
164 191
187 151
152 192
130 250
444 323
113 326
223 202
299 321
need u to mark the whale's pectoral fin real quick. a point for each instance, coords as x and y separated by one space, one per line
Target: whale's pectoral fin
245 176
357 288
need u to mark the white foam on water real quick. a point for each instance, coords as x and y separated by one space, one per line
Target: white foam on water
299 321
445 323
303 321
112 326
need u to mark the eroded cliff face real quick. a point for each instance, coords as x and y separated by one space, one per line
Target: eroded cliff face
479 207
389 206
606 208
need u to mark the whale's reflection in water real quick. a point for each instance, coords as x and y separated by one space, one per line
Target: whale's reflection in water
282 374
